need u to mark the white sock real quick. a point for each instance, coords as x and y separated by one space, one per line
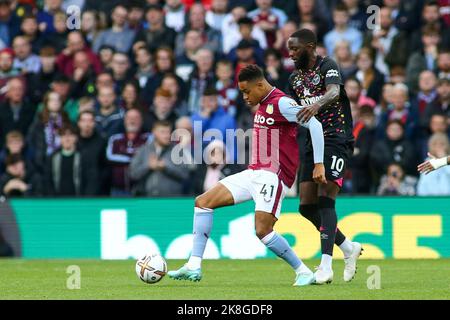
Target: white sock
347 248
302 269
326 262
194 263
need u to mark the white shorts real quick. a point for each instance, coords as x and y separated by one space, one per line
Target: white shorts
264 187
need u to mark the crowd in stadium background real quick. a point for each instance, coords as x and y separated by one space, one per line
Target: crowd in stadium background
87 107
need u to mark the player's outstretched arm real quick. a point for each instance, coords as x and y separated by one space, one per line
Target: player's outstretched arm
328 98
433 164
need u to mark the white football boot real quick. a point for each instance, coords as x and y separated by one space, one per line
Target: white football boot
323 275
350 262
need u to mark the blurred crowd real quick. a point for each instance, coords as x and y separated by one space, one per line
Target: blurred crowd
91 91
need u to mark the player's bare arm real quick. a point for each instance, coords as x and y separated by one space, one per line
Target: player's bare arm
332 95
433 164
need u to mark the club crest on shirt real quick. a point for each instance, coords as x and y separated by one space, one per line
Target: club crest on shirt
316 80
269 108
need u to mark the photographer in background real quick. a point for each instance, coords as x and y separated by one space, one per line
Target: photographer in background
396 183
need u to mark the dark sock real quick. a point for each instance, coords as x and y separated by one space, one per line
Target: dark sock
328 226
311 212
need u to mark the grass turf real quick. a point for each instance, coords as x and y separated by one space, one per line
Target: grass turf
222 279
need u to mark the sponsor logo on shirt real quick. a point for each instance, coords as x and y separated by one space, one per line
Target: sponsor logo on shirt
310 101
260 119
332 73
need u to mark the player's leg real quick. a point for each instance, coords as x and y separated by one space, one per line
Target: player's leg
268 192
309 209
264 222
228 191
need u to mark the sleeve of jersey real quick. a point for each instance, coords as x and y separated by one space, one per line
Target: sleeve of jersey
331 73
289 109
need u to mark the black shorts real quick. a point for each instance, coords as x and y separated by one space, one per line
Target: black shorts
336 157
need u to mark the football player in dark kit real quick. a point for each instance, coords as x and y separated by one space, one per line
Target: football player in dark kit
316 83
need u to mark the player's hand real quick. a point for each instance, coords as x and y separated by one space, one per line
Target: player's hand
426 167
306 113
319 174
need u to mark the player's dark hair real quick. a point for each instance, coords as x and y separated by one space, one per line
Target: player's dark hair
305 36
250 73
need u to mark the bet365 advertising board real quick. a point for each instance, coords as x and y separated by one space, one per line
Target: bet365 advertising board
126 228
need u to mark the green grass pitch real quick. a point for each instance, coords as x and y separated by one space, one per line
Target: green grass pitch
222 279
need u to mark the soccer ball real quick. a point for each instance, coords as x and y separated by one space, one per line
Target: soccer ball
151 268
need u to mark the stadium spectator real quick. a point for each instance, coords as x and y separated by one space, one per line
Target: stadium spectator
105 54
196 21
129 97
313 11
119 36
427 95
145 67
46 16
214 168
371 79
153 168
436 184
344 59
109 117
393 148
120 150
135 16
7 71
342 31
162 108
359 165
282 37
75 43
245 29
156 34
171 84
276 74
25 60
29 29
67 173
83 79
175 14
269 19
245 55
57 39
39 83
442 104
357 15
216 14
17 181
430 17
164 64
185 63
183 133
91 25
61 85
9 24
15 144
121 71
226 86
43 136
396 183
213 116
92 146
16 113
403 110
202 77
230 30
425 58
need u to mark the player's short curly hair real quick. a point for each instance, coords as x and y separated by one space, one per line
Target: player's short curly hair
250 73
305 36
